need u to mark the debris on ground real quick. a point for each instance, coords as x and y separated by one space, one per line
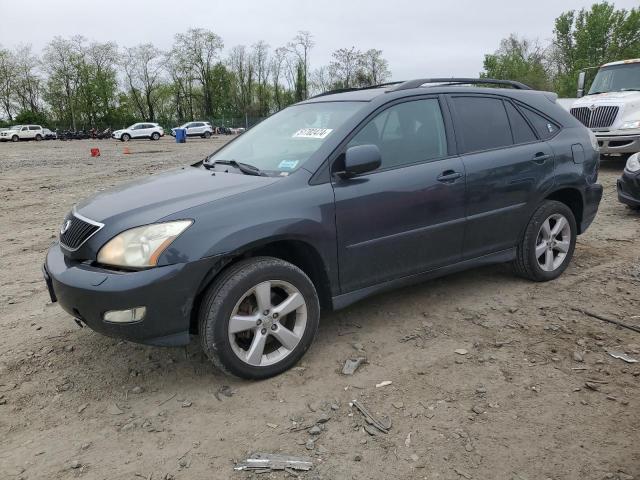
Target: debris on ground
224 390
461 351
352 364
382 424
274 461
622 356
383 384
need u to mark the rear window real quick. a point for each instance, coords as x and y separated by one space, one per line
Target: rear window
482 123
544 127
521 130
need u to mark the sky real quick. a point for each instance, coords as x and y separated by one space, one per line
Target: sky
419 38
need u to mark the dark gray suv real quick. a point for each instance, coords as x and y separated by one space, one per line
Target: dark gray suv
323 204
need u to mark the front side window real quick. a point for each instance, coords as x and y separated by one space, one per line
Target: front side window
482 123
285 141
406 133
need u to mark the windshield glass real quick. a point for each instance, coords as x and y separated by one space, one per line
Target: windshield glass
286 140
617 78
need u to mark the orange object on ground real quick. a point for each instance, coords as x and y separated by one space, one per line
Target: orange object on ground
126 151
95 152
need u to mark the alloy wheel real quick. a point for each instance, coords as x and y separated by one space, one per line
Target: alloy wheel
267 323
553 242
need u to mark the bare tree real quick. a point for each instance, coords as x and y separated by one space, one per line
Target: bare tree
320 80
28 80
260 60
375 67
345 67
7 81
301 46
143 67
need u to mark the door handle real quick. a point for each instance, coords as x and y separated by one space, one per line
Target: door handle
541 157
449 176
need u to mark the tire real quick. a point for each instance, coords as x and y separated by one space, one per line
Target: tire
535 240
206 135
233 293
38 137
155 136
125 137
15 138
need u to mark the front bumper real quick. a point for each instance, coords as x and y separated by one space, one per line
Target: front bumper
86 292
629 189
618 141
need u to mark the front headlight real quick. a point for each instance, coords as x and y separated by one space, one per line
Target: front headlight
141 246
630 125
633 163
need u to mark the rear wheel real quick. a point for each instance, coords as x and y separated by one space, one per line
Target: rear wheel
155 136
38 137
259 317
548 243
207 135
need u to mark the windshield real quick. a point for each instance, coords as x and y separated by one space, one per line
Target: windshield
617 78
286 140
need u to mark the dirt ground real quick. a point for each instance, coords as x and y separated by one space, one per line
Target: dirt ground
75 404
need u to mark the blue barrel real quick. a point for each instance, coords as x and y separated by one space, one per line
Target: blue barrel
181 135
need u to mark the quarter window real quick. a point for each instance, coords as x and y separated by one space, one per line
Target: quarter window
545 128
406 133
521 130
482 123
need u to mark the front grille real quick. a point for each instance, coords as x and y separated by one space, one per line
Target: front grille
600 117
75 231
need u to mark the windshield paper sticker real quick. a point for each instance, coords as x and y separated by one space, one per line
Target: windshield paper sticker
312 133
287 164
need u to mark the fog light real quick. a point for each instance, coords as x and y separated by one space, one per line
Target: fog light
125 316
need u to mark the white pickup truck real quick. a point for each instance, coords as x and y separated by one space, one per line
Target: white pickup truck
611 108
22 132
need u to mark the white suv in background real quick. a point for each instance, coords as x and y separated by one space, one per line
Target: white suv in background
196 129
22 132
152 131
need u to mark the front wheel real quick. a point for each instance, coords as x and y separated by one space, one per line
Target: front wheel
259 318
15 138
548 244
125 137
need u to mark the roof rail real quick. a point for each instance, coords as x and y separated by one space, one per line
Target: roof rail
353 89
460 81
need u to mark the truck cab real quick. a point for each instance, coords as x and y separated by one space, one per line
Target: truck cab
611 107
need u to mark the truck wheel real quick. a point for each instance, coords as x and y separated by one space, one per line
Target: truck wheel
259 318
548 243
125 137
15 138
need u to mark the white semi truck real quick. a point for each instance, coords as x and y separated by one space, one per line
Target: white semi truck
611 108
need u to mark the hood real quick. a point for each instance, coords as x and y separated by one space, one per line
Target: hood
609 97
157 196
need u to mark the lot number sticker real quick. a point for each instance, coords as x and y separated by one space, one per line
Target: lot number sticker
312 133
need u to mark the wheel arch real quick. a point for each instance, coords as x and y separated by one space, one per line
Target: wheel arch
572 198
298 252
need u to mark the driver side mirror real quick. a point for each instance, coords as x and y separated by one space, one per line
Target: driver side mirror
361 159
581 79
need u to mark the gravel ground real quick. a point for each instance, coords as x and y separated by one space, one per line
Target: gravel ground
532 393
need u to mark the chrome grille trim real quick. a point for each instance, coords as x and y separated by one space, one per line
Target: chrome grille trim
602 116
80 230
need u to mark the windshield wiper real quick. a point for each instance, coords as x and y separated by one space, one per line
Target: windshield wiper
243 167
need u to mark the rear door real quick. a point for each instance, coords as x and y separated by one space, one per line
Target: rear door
26 134
406 217
508 167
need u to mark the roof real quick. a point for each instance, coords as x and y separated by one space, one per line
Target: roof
622 62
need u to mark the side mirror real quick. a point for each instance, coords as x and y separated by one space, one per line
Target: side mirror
581 78
361 159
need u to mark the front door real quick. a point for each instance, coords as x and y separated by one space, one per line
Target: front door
406 217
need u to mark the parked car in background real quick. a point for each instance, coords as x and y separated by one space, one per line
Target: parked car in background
611 108
195 129
49 135
151 131
629 183
22 132
359 192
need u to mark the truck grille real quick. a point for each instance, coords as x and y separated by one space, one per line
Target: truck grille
600 117
75 231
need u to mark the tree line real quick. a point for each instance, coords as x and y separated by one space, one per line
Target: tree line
581 39
74 83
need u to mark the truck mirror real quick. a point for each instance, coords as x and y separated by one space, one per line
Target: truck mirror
581 77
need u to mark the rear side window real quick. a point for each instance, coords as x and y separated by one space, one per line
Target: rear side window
406 133
521 130
482 123
34 127
545 128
